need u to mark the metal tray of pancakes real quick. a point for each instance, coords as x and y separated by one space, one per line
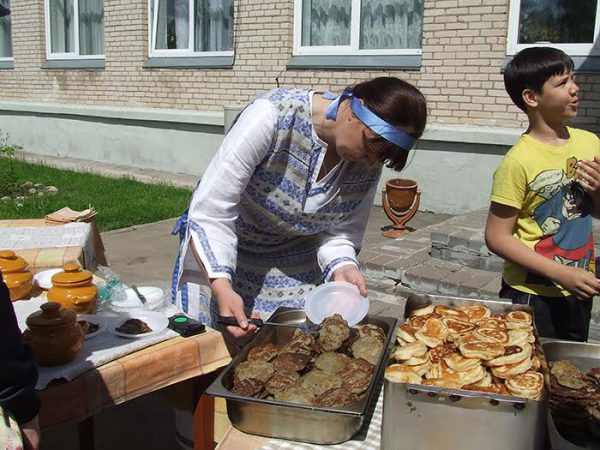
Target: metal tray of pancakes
576 432
296 422
423 417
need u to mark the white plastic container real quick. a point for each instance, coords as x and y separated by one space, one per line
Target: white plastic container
336 297
155 300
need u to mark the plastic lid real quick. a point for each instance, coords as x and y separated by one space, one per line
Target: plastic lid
72 274
10 262
336 297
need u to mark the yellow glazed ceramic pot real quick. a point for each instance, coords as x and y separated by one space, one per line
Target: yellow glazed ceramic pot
54 335
73 289
15 274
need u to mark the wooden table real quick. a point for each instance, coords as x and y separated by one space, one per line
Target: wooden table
136 374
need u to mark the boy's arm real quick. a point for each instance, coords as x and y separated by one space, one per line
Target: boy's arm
499 239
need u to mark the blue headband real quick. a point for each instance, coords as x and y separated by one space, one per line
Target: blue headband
375 123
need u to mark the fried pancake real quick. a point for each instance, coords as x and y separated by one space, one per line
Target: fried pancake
459 363
519 317
291 362
401 374
475 312
432 333
510 370
416 361
446 311
368 348
260 370
468 338
518 337
457 327
491 335
440 370
248 387
301 343
492 322
594 374
438 353
371 330
280 381
567 375
485 381
296 394
334 331
422 311
422 369
491 389
407 333
357 376
412 350
334 397
536 364
318 381
471 376
264 352
332 362
481 350
528 385
512 355
418 322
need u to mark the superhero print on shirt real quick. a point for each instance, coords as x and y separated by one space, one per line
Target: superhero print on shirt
564 219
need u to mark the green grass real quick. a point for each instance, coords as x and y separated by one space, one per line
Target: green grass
119 202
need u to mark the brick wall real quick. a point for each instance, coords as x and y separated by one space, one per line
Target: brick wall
463 51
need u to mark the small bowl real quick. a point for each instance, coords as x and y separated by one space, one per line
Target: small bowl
336 297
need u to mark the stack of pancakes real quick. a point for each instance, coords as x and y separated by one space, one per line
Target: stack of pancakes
333 368
575 400
468 348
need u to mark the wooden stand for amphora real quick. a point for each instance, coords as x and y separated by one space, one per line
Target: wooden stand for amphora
401 198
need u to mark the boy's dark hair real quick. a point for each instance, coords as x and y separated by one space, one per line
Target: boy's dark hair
398 103
531 68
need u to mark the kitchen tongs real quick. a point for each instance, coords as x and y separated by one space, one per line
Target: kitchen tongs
307 328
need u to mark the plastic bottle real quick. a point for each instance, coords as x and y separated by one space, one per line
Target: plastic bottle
110 289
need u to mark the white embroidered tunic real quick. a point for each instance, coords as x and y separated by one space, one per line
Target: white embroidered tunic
260 218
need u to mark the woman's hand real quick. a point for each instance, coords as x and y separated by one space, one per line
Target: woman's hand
31 434
351 274
588 174
231 304
579 282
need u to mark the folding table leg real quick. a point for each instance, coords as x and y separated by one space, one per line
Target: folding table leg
204 414
85 430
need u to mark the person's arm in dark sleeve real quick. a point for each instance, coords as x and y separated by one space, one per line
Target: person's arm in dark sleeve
18 373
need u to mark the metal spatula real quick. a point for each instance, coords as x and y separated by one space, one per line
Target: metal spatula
230 320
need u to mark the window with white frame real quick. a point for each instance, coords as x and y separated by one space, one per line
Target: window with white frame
571 25
191 27
5 31
74 29
355 27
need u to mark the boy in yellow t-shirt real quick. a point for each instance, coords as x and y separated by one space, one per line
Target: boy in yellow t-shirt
544 194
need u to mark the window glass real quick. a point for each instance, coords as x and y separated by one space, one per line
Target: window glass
91 27
213 25
173 24
557 21
326 22
391 24
62 31
5 30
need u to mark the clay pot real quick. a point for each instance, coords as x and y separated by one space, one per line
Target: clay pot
54 335
73 289
15 274
401 193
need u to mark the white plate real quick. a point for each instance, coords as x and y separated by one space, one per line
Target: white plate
154 320
96 319
44 278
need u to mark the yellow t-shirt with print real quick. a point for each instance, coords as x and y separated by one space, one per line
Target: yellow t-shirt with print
554 213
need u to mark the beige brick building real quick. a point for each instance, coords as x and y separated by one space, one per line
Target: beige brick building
142 105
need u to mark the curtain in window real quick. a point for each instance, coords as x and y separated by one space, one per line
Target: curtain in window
326 22
62 31
5 33
172 24
91 27
391 24
213 25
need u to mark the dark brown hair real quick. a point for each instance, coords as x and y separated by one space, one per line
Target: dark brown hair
400 104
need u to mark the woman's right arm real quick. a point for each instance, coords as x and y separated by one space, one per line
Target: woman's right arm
214 206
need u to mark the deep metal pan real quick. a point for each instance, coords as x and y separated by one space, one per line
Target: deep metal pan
290 421
426 417
584 356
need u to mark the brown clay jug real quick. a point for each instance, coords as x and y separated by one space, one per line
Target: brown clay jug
73 289
54 335
15 274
